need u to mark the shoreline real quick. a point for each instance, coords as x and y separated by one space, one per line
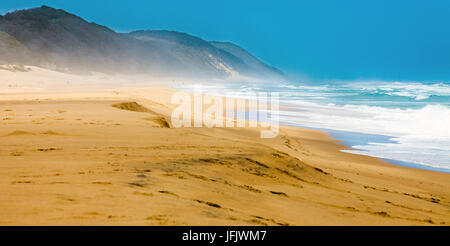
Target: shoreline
382 145
349 141
73 159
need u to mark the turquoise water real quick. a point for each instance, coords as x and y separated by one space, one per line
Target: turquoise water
404 122
383 94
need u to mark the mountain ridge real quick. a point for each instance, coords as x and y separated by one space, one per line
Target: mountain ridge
65 42
12 50
246 56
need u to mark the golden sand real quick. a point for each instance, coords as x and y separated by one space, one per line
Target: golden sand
74 151
111 158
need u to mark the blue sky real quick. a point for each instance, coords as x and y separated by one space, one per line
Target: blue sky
318 40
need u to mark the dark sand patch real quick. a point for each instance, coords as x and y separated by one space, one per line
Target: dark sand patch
132 106
159 120
19 133
52 133
136 107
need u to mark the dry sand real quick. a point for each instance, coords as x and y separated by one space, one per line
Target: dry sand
109 157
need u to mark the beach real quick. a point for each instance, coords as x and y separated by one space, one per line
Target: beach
78 155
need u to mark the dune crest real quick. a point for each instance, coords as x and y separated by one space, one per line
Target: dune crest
19 133
132 106
135 107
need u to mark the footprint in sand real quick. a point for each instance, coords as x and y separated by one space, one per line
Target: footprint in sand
279 193
52 133
17 153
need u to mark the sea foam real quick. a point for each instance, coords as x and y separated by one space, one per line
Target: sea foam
415 116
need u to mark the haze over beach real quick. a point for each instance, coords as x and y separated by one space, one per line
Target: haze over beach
90 106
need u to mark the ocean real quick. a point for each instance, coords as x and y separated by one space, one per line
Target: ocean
405 123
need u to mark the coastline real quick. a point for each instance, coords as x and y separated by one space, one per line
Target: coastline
227 115
353 139
72 159
383 144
